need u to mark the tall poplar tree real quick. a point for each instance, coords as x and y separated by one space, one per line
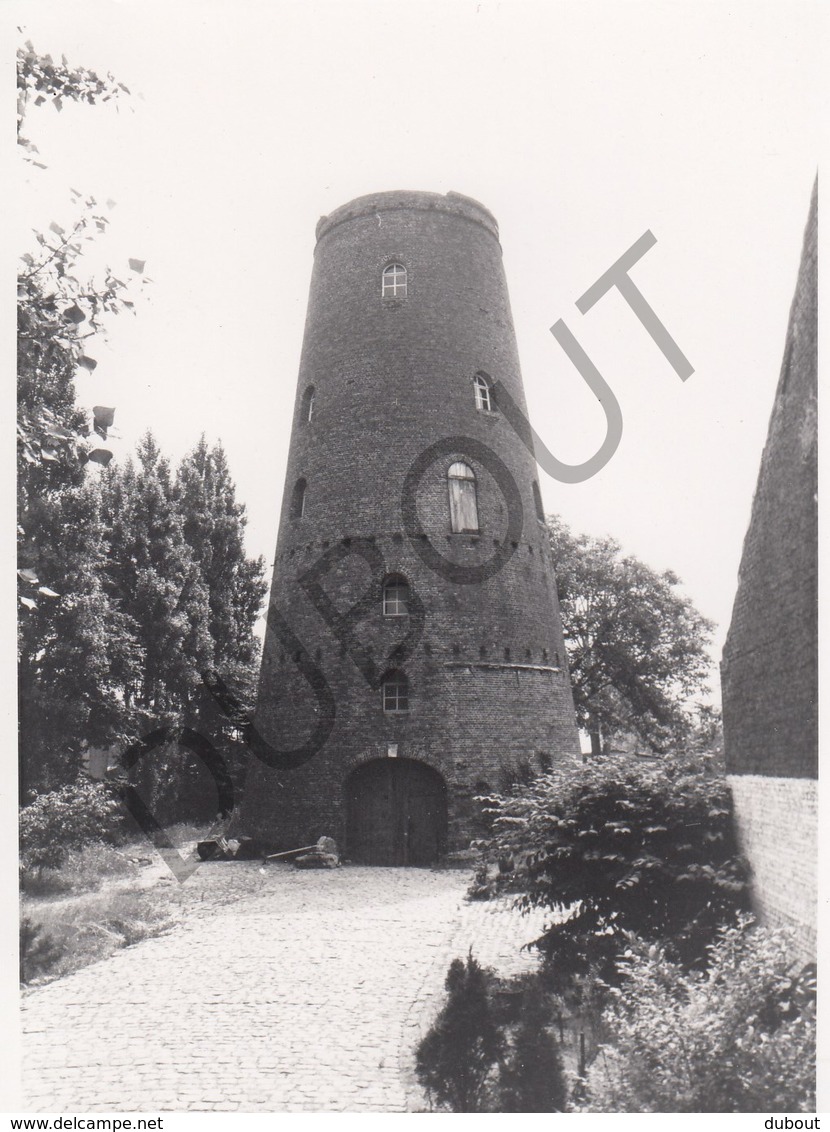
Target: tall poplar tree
157 578
214 528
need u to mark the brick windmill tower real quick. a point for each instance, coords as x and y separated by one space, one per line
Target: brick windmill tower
414 655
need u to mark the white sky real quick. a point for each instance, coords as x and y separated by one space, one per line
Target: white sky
580 125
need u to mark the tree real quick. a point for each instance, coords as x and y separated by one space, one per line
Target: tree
615 849
76 650
132 581
57 311
40 79
636 647
80 657
214 529
455 1060
158 581
177 567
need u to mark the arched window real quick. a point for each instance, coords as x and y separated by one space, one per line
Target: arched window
395 691
463 507
482 391
298 500
395 596
308 403
394 281
537 500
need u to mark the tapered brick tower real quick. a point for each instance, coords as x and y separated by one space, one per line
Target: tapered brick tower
414 654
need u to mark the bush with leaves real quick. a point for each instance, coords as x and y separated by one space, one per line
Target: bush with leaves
455 1060
617 847
69 818
39 951
739 1037
531 1078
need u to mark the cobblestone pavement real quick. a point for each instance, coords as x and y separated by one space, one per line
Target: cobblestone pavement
306 994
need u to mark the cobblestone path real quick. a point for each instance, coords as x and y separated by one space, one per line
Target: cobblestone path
308 994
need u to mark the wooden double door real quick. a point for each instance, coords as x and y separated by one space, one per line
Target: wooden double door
396 813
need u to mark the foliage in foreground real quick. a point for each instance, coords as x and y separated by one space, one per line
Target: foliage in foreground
455 1059
39 951
617 848
88 930
84 869
531 1079
481 1056
70 818
739 1037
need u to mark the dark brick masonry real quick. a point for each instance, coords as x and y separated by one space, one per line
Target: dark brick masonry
770 661
489 692
769 671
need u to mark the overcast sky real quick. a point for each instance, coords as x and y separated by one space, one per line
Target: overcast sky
579 125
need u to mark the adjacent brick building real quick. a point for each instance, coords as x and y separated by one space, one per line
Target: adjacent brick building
414 655
769 671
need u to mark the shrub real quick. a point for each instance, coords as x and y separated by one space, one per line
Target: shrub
532 1079
39 951
622 847
81 870
480 886
454 1062
739 1037
72 817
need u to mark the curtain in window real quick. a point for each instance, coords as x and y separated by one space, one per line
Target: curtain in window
463 505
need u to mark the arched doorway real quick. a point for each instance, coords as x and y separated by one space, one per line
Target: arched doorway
396 813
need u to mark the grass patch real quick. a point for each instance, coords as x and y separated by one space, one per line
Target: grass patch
83 870
99 900
62 936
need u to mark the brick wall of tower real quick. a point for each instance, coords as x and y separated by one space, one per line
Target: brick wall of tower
769 671
490 692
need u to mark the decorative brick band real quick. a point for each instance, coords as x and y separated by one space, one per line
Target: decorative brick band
501 667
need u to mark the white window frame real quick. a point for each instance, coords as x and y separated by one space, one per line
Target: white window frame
394 281
394 692
395 606
481 385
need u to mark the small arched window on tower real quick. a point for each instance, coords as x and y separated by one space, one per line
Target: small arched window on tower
298 500
395 596
484 401
394 282
461 481
395 691
308 403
